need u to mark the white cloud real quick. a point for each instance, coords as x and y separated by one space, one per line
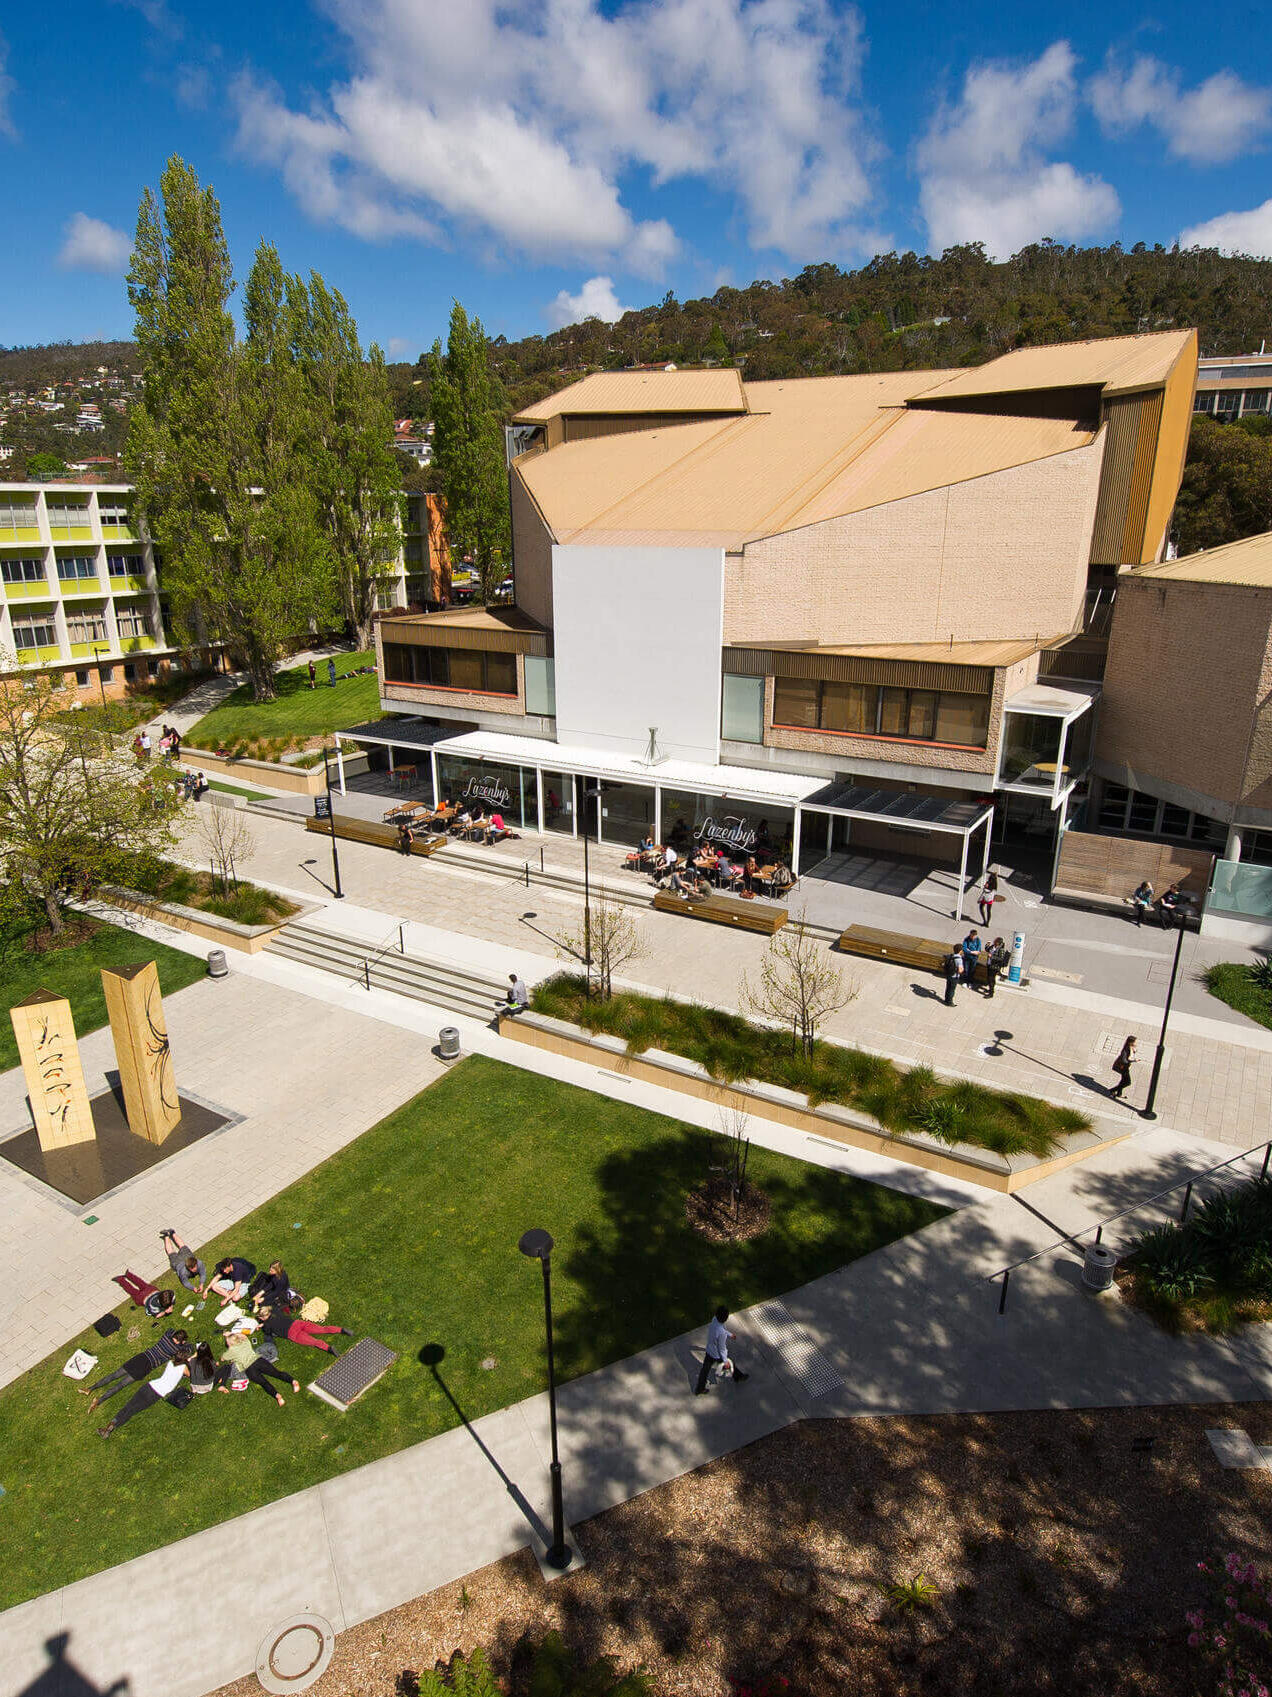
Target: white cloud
7 86
1235 232
1218 120
520 124
596 299
983 166
399 345
92 245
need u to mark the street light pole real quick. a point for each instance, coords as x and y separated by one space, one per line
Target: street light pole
588 793
537 1245
101 684
331 820
1149 1106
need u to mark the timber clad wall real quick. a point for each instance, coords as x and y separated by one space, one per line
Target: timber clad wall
1188 668
418 697
996 558
1114 866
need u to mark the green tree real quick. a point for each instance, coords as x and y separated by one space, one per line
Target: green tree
355 469
75 812
40 468
1226 493
216 446
717 349
468 405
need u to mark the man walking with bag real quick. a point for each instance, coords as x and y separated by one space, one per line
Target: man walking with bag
717 1355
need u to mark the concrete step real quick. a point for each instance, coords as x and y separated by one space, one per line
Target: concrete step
417 977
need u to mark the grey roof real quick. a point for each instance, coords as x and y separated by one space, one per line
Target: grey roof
899 807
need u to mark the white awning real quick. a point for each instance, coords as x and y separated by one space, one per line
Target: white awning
1061 701
740 783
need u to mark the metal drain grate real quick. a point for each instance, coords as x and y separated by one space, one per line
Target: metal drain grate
799 1355
355 1372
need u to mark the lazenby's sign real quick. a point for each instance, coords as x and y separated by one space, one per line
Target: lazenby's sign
730 832
488 789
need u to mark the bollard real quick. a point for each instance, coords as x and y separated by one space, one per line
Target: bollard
218 966
527 874
1002 1300
1099 1233
541 859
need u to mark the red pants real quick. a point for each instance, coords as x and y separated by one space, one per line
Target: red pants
305 1331
135 1286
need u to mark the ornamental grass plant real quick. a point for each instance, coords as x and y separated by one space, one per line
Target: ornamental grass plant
731 1049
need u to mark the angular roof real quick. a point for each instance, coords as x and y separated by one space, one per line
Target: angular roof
1248 562
609 392
1117 364
807 450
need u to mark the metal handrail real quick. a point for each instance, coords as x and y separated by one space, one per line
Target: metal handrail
1004 1273
369 961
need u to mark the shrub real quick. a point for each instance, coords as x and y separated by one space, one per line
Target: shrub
1170 1263
907 1595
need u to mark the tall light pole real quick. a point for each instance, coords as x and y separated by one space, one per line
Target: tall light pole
1150 1112
590 790
537 1245
101 682
331 820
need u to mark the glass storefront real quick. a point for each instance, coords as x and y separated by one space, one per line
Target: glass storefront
627 812
735 826
487 784
558 802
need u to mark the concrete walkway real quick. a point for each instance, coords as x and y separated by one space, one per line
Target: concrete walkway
911 1329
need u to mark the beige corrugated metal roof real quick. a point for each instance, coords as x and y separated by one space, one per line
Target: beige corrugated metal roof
471 618
606 392
1117 363
952 653
809 449
1248 562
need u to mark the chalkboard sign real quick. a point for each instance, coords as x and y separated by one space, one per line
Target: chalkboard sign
322 807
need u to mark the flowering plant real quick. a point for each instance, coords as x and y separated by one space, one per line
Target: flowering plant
1234 1631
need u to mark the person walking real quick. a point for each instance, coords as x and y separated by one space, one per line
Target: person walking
155 1390
331 673
995 961
313 675
1141 900
717 1355
988 896
953 971
1126 1059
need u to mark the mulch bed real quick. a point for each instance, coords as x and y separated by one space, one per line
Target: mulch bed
710 1210
1062 1547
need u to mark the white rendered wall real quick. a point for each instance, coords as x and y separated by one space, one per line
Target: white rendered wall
637 635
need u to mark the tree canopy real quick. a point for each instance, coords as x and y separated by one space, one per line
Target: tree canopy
468 406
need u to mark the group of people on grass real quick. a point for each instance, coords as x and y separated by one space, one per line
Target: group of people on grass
260 1309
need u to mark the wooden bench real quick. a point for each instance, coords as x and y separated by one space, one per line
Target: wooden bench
764 917
371 831
922 952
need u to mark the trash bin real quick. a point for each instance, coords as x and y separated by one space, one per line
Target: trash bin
218 966
448 1043
1097 1267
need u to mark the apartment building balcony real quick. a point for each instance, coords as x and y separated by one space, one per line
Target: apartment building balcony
37 590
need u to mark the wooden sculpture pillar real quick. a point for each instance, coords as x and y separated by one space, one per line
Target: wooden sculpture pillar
141 1049
50 1059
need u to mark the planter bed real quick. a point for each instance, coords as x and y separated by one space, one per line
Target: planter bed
276 774
1012 1140
250 939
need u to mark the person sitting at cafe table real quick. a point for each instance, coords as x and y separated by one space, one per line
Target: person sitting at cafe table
684 883
750 873
404 836
667 865
462 820
495 827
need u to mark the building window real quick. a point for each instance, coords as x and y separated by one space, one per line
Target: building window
16 514
125 565
741 708
1204 403
22 571
86 627
113 510
34 633
132 621
910 715
81 678
541 685
130 672
1143 815
68 515
73 568
479 671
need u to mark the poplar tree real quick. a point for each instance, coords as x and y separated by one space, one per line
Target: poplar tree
350 452
468 405
216 446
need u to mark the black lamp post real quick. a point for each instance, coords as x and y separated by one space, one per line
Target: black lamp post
590 790
331 820
1150 1112
101 682
537 1245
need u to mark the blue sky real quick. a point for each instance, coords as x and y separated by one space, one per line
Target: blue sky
556 157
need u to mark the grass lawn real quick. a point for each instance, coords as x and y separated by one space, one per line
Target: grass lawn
298 712
237 789
75 972
1235 984
411 1233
